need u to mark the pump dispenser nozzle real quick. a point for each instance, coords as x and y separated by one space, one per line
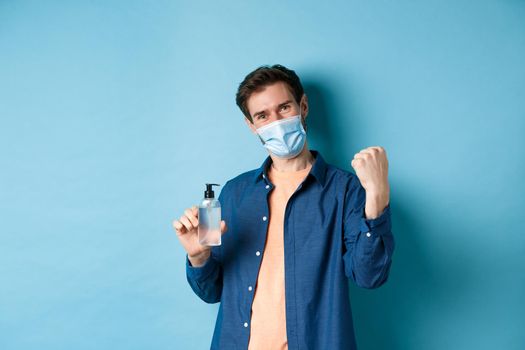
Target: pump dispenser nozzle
209 191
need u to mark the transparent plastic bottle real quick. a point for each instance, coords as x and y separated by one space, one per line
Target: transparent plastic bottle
210 218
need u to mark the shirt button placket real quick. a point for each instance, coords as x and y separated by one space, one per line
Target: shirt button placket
258 253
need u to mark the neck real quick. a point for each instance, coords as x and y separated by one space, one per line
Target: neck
302 161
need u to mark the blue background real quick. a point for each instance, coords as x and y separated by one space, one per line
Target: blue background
115 114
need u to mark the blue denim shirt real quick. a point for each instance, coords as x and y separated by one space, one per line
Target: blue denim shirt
327 240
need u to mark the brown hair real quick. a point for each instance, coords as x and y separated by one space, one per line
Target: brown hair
262 77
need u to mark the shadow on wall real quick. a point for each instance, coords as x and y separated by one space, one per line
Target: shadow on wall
421 283
323 129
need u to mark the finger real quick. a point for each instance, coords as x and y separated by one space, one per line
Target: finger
195 211
373 151
186 222
191 217
364 151
361 155
357 163
224 228
179 227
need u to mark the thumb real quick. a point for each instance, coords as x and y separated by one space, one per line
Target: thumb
224 228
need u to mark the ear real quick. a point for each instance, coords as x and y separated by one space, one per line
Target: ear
304 106
250 125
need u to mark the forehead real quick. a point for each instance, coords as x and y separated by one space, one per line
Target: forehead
270 96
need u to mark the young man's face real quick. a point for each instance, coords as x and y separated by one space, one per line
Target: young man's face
273 103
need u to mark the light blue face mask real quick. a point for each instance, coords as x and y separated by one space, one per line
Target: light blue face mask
284 138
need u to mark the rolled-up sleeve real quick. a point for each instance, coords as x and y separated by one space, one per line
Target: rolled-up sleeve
369 243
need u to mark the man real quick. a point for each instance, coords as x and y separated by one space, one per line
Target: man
298 228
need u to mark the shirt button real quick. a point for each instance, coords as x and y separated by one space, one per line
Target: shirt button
245 324
264 218
368 234
267 186
250 288
257 253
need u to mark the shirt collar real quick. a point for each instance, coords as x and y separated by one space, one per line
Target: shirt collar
318 170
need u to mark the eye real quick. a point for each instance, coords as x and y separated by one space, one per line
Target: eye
285 107
260 116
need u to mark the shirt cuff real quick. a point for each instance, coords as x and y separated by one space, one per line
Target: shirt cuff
380 225
200 273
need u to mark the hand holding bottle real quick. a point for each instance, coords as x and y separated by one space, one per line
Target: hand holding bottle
186 229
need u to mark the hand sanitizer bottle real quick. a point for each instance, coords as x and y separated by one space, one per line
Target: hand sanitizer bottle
210 218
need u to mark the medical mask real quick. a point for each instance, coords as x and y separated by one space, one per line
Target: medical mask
284 138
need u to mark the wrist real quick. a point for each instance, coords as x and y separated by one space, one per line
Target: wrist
200 259
375 204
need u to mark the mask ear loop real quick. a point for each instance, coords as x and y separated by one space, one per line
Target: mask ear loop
260 138
303 123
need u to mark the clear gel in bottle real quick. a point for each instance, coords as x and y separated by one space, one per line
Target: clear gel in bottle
210 218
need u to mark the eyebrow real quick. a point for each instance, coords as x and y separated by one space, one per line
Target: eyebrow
279 106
